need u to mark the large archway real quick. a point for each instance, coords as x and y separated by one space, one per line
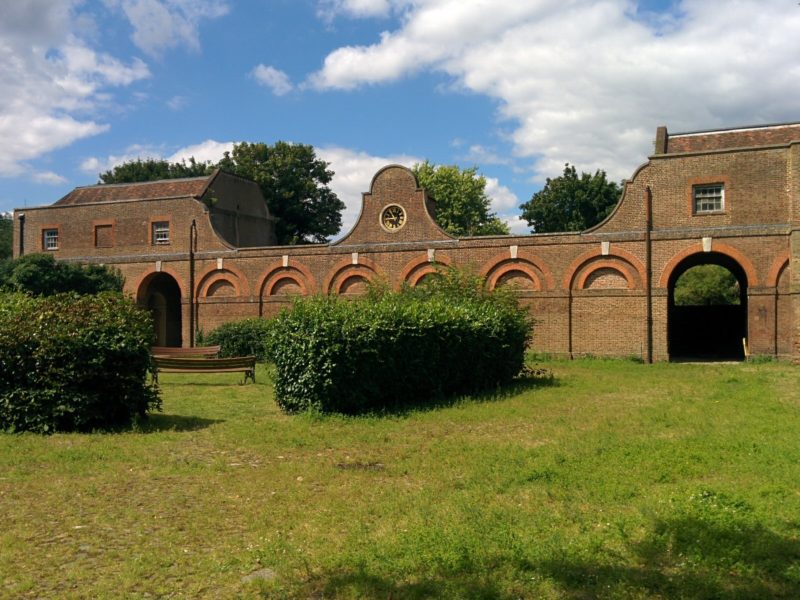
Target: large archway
161 294
711 325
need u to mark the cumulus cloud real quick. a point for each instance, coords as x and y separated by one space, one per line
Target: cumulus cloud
503 199
159 25
587 82
50 80
329 9
176 102
354 172
517 225
96 165
273 78
49 178
206 151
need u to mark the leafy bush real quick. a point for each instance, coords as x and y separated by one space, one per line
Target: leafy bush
42 275
247 337
71 362
389 350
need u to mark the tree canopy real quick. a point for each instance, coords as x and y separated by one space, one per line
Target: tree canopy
153 169
42 275
295 184
571 202
707 285
6 236
293 180
462 206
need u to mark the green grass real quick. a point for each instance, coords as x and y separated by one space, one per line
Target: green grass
618 480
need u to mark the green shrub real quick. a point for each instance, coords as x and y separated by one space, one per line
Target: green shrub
71 362
247 337
42 275
390 350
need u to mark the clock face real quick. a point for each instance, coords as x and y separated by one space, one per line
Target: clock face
393 217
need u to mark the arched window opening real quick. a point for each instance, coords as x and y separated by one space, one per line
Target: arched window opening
707 317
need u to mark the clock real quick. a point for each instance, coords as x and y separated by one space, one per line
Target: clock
393 217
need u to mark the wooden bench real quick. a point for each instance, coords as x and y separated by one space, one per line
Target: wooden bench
205 351
239 364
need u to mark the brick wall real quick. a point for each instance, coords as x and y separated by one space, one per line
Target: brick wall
587 291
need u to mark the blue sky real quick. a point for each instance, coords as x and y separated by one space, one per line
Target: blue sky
515 87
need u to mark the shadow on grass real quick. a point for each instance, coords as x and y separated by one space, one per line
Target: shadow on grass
714 550
690 557
361 584
515 387
158 422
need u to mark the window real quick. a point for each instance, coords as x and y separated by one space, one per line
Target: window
50 239
103 236
708 198
160 232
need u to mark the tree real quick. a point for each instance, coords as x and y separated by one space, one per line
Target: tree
42 275
462 206
707 285
293 180
152 169
295 184
571 203
6 236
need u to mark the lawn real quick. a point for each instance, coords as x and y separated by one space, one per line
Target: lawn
616 480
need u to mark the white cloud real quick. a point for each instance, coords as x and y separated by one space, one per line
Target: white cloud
273 78
517 225
503 199
353 174
208 150
95 165
50 80
481 155
176 102
587 82
329 9
49 178
159 25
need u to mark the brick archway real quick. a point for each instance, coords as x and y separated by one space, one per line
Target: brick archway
530 266
212 276
620 267
418 268
160 292
733 253
620 260
292 270
346 270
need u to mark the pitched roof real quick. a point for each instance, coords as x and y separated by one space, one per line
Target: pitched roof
193 187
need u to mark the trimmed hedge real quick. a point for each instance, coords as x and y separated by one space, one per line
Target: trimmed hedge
391 350
247 337
73 363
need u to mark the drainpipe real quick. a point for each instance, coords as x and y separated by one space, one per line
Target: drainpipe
569 321
649 271
775 320
192 305
21 218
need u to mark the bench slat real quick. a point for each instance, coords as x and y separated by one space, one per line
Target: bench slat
210 351
245 364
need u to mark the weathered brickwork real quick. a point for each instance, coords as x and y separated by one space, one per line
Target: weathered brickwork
590 292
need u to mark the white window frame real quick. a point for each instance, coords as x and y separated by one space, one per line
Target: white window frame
50 239
160 233
708 198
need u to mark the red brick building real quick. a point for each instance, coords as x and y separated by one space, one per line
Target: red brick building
198 251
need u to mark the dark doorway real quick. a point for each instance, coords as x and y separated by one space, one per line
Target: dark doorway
161 294
707 318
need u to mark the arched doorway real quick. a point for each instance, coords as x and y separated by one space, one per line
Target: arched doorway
161 294
707 311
